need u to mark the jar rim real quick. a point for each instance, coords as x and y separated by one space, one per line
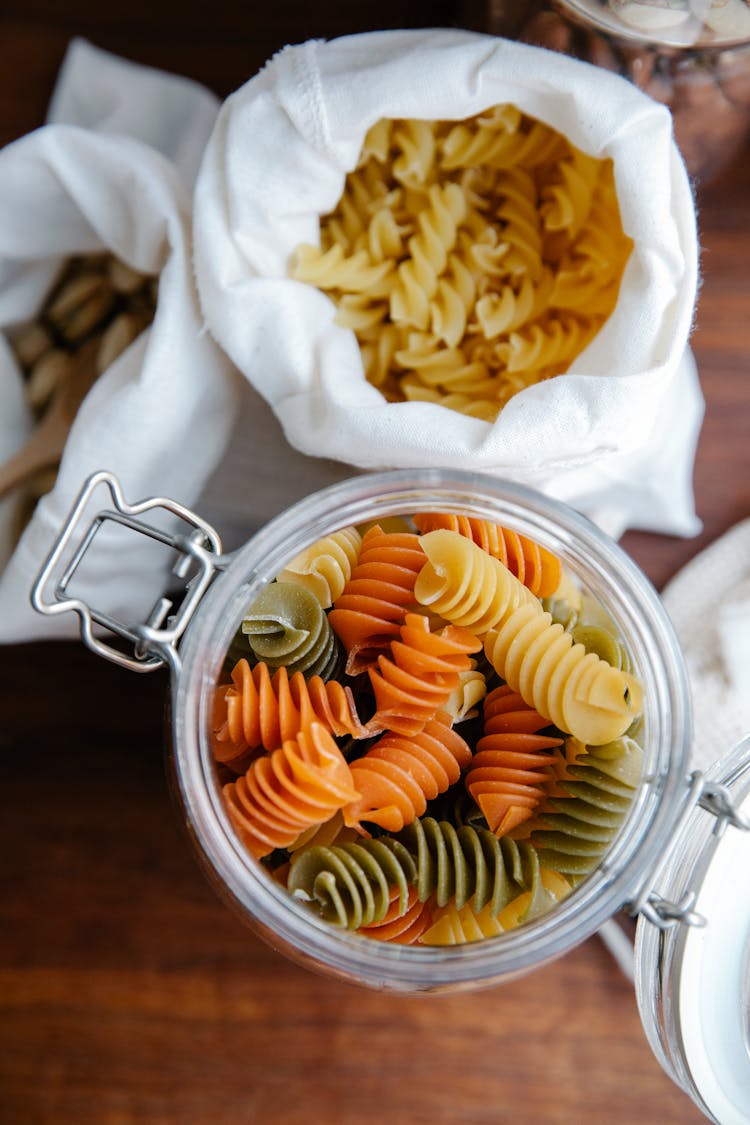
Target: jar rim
692 983
686 30
604 568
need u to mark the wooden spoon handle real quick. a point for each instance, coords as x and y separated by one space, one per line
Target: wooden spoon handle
38 453
46 444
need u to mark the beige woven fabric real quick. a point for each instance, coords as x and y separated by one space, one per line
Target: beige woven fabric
709 604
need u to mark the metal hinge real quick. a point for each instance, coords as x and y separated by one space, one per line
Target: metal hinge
153 641
665 915
716 800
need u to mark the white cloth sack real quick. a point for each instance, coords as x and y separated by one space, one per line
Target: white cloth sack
709 604
277 160
160 416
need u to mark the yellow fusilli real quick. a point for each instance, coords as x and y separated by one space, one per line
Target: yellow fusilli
471 259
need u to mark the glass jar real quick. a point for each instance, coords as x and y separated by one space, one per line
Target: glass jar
692 57
205 622
693 983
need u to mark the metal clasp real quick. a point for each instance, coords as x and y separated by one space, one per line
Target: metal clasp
665 915
716 800
154 641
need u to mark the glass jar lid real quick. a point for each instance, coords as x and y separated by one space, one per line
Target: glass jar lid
693 981
691 24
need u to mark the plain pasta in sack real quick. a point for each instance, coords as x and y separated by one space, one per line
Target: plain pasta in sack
161 413
615 435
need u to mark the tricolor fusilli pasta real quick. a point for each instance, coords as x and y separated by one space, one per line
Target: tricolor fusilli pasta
417 750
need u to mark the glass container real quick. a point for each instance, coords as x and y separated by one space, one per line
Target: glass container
694 57
689 819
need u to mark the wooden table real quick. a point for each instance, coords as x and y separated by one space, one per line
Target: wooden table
128 992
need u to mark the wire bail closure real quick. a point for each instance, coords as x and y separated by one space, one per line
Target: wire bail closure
716 800
155 640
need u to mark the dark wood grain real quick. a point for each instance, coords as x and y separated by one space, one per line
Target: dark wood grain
721 344
128 992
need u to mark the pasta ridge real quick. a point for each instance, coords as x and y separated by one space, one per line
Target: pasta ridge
374 601
399 774
537 568
470 865
259 710
325 567
454 926
417 277
466 585
352 885
577 690
576 829
332 269
286 626
418 677
508 773
402 927
298 785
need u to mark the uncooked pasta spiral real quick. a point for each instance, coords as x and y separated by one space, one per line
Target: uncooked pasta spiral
417 679
566 201
379 345
418 275
604 642
546 345
509 309
399 774
403 927
300 784
481 139
325 567
372 606
260 710
364 195
484 409
507 774
537 568
332 269
562 612
570 606
331 831
470 865
452 304
451 926
377 142
527 144
351 885
447 369
413 144
520 223
465 584
598 792
577 690
287 627
462 702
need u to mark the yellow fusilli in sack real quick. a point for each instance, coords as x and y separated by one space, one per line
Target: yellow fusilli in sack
442 248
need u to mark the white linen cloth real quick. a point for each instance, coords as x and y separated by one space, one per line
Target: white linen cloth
709 604
277 161
112 170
